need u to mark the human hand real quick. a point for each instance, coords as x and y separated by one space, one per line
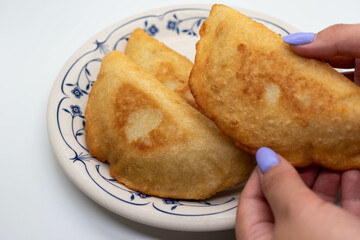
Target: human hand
283 204
339 45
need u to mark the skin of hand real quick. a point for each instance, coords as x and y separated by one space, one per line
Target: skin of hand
279 202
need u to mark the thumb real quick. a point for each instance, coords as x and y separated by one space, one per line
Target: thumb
282 186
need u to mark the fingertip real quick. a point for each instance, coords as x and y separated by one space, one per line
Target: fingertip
266 158
299 38
308 174
327 184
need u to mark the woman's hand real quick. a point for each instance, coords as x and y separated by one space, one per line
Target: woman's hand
281 204
339 45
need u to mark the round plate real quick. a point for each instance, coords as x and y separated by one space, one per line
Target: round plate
178 28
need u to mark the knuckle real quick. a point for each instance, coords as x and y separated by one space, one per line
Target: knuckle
336 30
333 34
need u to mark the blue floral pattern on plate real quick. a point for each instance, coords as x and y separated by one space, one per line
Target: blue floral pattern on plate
66 121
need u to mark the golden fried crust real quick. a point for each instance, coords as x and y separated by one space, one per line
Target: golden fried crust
168 66
260 93
154 141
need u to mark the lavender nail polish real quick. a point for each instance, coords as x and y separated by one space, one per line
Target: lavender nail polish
266 158
299 38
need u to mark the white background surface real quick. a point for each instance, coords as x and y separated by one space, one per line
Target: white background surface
37 200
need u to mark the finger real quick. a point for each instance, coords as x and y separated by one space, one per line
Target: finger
308 175
336 40
341 62
254 218
327 185
350 191
283 187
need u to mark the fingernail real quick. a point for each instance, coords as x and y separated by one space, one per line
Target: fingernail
266 158
299 38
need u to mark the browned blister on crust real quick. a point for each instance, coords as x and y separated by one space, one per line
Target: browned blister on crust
154 141
260 93
168 66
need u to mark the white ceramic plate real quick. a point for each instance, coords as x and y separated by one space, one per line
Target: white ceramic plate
178 28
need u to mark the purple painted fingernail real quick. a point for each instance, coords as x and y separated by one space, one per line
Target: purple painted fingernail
299 38
266 158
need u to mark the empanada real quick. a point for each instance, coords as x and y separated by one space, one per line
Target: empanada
168 66
154 141
260 93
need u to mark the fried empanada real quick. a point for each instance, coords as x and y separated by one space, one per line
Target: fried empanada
168 66
260 93
154 141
